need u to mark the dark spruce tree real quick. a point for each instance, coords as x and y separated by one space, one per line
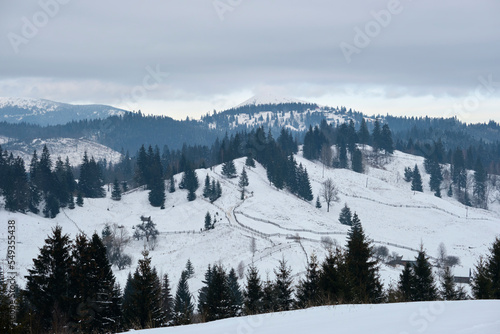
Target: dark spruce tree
357 161
250 162
406 284
116 194
425 289
48 290
363 133
235 294
183 306
362 266
253 293
6 306
308 289
334 282
480 185
228 169
345 217
283 286
167 301
416 183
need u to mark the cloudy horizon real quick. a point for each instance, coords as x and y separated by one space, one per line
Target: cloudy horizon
180 59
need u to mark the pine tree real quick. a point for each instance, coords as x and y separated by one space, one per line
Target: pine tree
408 175
243 183
79 199
318 203
377 136
167 300
481 281
480 186
425 289
171 188
436 177
183 306
308 289
208 222
116 194
362 268
283 286
416 183
207 189
189 269
357 161
364 134
494 268
228 169
148 295
448 286
269 297
253 294
5 305
235 294
345 217
129 305
406 284
217 305
250 162
386 142
48 283
334 278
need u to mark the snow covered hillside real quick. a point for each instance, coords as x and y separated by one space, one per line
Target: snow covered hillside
74 149
45 112
465 317
282 225
268 98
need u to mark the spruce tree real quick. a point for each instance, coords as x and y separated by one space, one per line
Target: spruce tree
416 183
207 189
406 284
386 142
79 199
48 282
183 306
116 194
217 305
228 169
167 300
481 281
408 174
436 177
334 278
171 188
494 268
480 185
189 269
235 294
377 136
208 222
308 289
363 269
283 286
357 161
148 295
5 305
448 287
363 134
250 162
243 182
345 217
269 297
253 294
425 289
318 203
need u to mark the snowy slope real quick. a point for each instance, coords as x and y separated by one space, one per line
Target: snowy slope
466 317
268 98
45 112
74 149
391 214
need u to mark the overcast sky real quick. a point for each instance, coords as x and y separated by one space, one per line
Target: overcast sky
187 57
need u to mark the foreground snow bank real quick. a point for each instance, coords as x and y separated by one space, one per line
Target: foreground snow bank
464 317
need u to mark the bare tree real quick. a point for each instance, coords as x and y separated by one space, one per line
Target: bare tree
241 269
329 193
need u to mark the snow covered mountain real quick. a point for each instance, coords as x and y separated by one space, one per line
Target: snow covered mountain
268 98
45 112
275 112
281 224
74 149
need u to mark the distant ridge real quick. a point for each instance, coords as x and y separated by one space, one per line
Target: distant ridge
268 98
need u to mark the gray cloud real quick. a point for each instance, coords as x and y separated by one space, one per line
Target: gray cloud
98 51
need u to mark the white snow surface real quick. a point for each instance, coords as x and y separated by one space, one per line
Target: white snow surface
392 215
464 317
268 98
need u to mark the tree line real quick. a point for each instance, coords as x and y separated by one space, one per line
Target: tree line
71 287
